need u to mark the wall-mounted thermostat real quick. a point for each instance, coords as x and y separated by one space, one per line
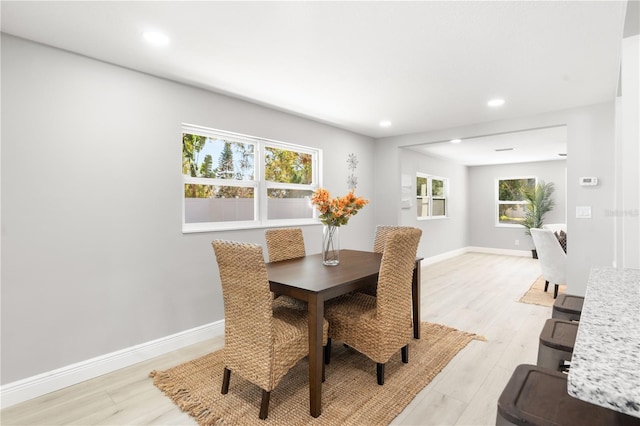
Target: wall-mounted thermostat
588 181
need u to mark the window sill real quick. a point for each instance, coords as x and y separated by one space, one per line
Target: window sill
191 228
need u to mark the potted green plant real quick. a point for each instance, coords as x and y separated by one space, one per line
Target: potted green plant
539 203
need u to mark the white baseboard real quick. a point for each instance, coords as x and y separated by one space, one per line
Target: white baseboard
32 387
507 252
443 256
469 249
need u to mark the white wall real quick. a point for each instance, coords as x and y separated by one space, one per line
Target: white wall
93 258
438 235
627 208
590 152
590 149
482 186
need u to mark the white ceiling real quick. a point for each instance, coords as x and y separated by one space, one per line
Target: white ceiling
422 65
519 147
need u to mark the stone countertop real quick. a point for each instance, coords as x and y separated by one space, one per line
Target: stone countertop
605 366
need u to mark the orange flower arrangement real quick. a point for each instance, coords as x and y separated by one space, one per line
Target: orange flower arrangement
337 211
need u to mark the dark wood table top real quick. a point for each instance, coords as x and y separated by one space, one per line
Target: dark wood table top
306 278
308 273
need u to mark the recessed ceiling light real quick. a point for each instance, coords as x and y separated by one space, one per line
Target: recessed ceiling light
455 140
385 123
156 38
495 102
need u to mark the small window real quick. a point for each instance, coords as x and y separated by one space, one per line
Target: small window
233 181
510 200
431 196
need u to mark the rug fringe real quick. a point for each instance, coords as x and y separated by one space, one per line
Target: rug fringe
183 398
189 386
446 327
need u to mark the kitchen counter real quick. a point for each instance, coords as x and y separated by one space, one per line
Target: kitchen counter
605 366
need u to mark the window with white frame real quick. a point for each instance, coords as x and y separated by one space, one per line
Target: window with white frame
431 196
510 200
234 181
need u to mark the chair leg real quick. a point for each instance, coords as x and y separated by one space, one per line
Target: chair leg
380 373
327 352
264 406
405 354
324 354
555 291
226 376
546 286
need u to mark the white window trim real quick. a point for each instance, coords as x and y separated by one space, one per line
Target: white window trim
259 184
497 202
431 197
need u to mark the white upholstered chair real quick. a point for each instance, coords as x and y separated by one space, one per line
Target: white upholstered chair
555 227
552 258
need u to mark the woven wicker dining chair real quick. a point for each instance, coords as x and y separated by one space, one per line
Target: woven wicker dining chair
382 231
284 244
379 326
263 338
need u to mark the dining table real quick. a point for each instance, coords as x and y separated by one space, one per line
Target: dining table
307 279
605 365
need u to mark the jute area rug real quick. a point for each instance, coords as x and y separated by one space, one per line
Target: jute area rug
537 296
350 394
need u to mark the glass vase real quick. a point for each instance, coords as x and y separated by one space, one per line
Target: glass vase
330 245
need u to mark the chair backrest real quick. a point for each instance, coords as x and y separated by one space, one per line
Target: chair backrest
284 243
552 258
382 231
555 227
395 277
248 310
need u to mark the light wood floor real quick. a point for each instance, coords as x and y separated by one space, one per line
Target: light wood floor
474 292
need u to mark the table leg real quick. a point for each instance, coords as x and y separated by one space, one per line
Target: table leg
415 296
316 316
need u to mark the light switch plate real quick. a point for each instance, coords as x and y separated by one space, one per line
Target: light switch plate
583 212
